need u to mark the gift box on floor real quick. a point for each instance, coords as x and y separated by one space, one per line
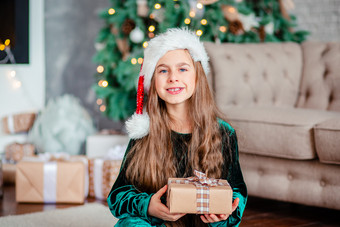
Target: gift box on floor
199 195
18 122
98 145
14 152
41 181
102 175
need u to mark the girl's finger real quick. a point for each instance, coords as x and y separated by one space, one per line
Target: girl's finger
161 191
235 204
214 218
204 219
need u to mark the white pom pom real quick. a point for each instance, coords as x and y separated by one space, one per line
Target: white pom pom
137 126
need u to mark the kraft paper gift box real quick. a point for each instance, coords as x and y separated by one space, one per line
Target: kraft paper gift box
40 181
102 174
14 152
104 171
18 122
193 196
98 145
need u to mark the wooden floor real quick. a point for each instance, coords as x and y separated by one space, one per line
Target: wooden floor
259 212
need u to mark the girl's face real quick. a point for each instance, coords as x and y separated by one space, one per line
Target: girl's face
175 77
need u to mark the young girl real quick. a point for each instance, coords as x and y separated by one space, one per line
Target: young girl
181 131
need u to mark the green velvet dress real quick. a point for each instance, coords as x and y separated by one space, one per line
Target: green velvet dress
130 205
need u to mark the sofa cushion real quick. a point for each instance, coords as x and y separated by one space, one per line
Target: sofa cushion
255 74
276 132
308 182
327 140
320 84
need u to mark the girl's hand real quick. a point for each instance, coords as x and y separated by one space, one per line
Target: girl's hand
158 209
209 218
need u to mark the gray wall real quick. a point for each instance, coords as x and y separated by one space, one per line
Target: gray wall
321 18
71 27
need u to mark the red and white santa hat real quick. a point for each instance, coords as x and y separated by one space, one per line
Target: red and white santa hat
173 39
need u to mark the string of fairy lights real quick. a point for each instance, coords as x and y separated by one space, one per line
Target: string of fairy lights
11 75
192 13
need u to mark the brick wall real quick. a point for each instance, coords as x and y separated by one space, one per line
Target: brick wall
321 18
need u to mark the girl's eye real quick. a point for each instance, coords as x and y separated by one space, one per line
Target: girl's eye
183 70
163 71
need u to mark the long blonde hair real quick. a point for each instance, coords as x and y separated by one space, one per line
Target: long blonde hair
152 160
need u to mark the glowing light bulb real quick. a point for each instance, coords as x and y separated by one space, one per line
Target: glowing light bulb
111 11
145 44
231 9
100 69
7 42
223 29
199 5
12 73
102 108
157 6
105 83
204 21
192 14
2 47
17 84
187 21
199 32
140 60
99 102
133 61
152 28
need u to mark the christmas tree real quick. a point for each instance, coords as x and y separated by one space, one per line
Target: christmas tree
130 24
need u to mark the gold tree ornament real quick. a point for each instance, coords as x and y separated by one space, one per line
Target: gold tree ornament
207 2
123 47
142 8
230 13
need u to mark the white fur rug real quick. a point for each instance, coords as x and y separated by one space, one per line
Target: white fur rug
91 214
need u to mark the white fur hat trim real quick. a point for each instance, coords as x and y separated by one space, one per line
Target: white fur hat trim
172 39
137 126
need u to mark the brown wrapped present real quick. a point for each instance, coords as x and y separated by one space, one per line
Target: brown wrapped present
15 151
199 195
102 175
18 122
50 182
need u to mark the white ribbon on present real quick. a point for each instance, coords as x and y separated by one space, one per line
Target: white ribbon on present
10 124
98 178
115 153
50 182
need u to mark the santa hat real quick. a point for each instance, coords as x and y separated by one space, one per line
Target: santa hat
173 39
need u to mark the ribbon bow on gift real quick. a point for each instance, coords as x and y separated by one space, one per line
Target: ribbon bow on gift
202 184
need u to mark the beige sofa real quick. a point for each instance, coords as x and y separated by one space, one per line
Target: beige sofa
284 101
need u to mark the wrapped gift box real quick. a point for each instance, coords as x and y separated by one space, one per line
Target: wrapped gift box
187 195
102 175
98 145
18 122
52 181
14 152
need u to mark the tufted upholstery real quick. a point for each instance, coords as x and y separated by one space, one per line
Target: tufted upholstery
327 140
321 81
240 70
283 99
305 182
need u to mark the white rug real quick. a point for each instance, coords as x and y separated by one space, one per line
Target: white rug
91 214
